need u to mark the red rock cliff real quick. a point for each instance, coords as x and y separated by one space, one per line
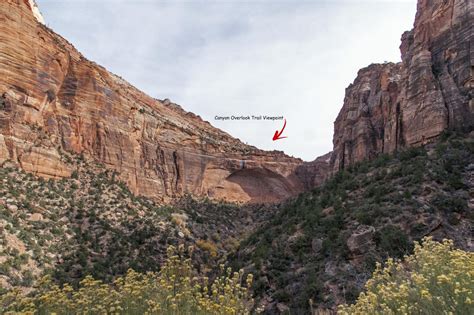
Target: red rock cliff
53 99
391 106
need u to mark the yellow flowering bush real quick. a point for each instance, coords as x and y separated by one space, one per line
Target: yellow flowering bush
207 246
174 290
435 279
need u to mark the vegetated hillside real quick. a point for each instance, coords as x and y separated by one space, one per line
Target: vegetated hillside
90 224
321 247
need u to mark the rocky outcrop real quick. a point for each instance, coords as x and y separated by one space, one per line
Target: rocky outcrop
36 12
361 240
52 100
369 121
392 106
314 173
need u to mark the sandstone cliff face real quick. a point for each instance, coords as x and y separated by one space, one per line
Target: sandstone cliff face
369 121
391 106
53 99
314 173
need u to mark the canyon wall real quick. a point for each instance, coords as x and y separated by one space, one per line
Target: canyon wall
314 173
392 106
52 100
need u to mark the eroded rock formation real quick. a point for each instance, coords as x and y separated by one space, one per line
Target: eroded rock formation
52 100
369 121
314 173
391 106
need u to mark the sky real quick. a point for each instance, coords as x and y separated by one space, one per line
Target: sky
233 57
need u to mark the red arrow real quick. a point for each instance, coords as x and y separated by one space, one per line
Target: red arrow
277 135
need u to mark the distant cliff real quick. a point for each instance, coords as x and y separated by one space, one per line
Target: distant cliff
392 106
53 99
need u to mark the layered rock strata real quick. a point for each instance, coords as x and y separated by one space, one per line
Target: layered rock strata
52 99
392 106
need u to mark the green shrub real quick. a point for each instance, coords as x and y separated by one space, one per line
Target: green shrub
392 241
448 203
411 153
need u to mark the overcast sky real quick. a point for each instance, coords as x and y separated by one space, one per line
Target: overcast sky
287 57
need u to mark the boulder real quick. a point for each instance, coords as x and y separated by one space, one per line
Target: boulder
361 240
316 245
34 217
12 208
282 308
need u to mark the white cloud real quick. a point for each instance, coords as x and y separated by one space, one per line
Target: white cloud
291 58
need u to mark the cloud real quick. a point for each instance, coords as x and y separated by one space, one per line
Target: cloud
291 58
